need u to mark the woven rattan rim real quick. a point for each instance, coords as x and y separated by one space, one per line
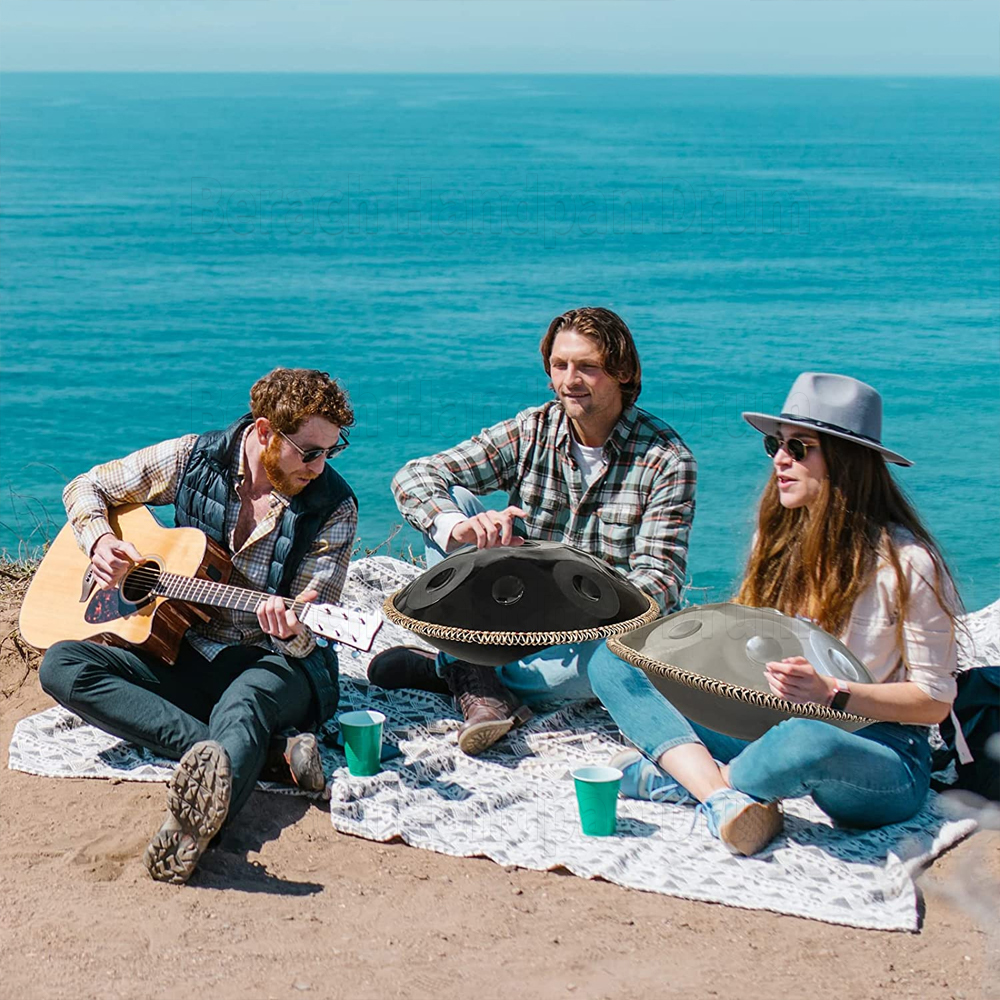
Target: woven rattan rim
723 689
481 638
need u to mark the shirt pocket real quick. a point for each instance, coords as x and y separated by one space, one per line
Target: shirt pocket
546 514
619 524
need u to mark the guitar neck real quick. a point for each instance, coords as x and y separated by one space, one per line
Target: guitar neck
217 595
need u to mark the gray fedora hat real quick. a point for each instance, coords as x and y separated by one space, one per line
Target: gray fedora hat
832 404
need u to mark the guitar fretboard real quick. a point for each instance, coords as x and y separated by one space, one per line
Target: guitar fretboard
219 595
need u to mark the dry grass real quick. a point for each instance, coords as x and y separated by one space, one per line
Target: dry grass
17 659
16 574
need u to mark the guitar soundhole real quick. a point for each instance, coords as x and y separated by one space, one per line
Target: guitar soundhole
138 585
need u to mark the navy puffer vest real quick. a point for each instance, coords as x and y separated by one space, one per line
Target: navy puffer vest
201 503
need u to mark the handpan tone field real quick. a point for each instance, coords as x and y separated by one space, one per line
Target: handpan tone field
709 660
492 606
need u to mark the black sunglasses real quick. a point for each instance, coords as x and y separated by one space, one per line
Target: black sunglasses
796 448
311 454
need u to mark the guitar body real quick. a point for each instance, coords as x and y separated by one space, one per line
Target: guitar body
62 604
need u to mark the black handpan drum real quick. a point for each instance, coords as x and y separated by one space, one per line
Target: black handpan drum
492 606
708 662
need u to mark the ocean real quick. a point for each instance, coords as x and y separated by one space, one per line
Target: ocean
165 239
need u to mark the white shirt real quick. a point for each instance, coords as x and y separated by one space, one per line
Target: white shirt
931 649
590 461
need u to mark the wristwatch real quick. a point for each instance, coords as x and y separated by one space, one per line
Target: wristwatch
840 697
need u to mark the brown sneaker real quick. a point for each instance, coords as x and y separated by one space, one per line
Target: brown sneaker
295 760
197 802
489 709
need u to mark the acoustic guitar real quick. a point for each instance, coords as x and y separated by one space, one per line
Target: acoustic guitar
182 572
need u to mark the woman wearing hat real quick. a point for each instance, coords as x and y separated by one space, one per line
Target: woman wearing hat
836 542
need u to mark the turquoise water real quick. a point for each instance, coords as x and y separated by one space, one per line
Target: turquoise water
166 239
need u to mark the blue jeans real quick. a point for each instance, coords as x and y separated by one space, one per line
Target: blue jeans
869 778
556 673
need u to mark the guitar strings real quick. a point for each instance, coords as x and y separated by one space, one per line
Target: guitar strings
148 577
152 578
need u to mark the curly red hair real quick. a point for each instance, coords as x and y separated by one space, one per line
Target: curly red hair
288 397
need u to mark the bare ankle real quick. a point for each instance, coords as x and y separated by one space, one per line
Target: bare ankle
693 766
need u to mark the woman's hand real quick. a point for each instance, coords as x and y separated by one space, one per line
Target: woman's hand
795 679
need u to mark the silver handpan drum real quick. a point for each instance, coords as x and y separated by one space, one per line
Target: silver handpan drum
492 606
708 662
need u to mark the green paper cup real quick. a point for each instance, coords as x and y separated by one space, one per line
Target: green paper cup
362 732
597 797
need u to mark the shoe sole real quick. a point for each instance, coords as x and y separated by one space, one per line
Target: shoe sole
474 739
198 797
753 828
480 736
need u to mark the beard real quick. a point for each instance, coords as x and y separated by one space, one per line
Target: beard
276 475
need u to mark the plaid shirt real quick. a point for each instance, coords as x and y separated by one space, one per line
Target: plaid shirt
152 476
636 514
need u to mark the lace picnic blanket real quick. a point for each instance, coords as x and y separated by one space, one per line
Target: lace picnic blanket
516 805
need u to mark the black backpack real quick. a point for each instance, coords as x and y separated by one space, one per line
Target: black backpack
977 708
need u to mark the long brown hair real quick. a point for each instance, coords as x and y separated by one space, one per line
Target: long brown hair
818 562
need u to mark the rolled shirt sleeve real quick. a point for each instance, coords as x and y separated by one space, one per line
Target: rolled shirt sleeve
929 653
931 647
444 524
485 463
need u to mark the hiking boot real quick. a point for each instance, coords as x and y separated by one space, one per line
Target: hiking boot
295 760
197 802
489 709
743 824
407 667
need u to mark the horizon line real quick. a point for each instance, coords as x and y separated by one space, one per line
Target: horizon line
545 73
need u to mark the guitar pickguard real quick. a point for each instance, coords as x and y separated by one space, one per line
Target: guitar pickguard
108 606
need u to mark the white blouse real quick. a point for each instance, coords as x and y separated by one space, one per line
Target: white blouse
931 648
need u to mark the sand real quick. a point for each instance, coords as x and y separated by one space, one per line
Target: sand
287 907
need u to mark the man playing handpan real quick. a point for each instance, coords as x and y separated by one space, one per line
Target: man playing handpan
589 469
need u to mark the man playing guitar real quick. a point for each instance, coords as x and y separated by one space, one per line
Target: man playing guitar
262 490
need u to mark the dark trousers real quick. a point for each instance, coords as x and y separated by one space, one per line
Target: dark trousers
239 699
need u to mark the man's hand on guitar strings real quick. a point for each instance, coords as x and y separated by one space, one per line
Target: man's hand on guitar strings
111 559
277 619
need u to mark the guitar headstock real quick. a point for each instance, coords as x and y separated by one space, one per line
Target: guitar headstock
350 628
